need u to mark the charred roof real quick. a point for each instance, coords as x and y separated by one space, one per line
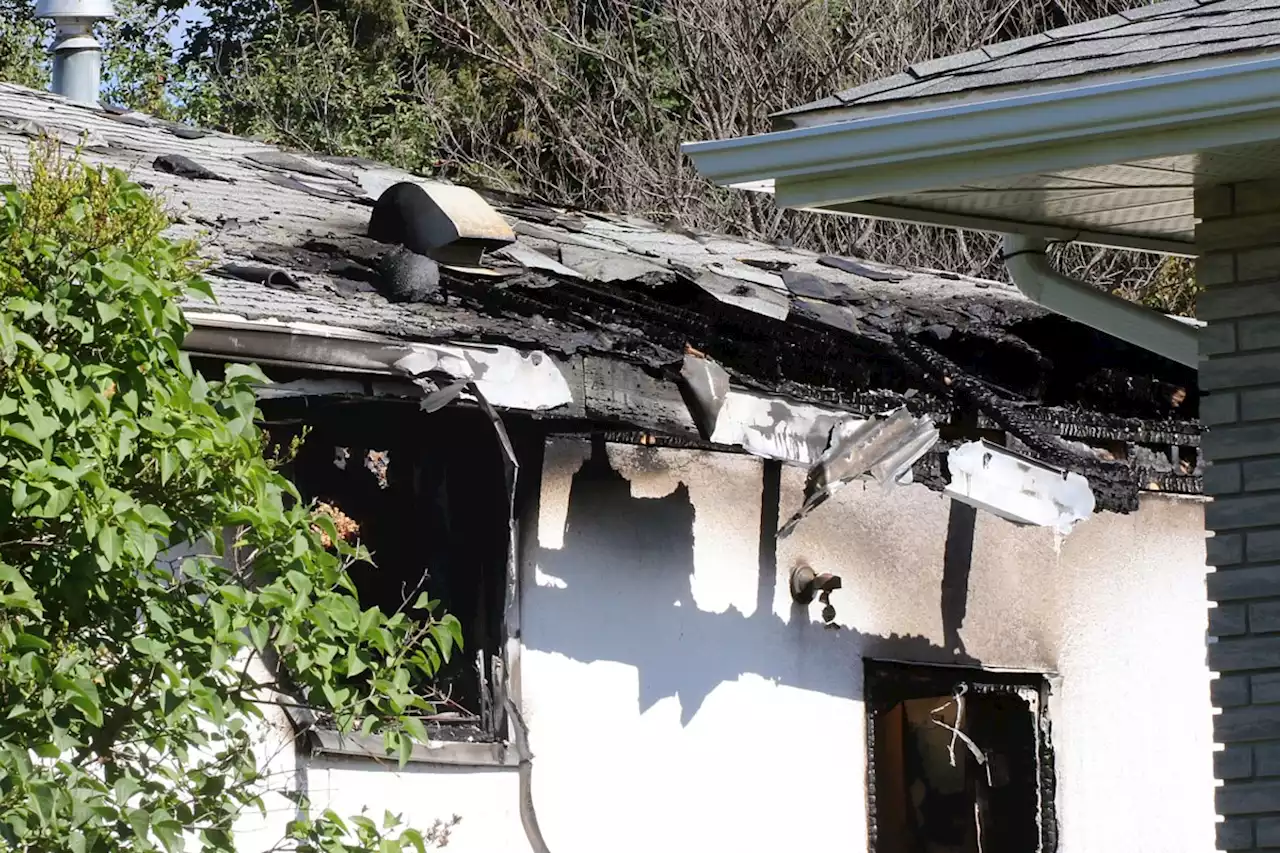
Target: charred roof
287 236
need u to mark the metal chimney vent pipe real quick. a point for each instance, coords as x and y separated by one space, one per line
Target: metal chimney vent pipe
77 55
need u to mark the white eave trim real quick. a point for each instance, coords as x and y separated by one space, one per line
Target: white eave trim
947 146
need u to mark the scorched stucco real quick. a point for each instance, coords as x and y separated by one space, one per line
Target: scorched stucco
678 700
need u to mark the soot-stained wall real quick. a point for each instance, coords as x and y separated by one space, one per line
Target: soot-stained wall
678 700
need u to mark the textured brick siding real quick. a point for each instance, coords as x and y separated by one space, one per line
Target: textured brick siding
1239 237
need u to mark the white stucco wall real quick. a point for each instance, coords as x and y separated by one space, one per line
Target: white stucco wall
679 701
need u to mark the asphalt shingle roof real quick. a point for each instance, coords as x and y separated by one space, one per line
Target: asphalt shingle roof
286 236
250 204
1147 36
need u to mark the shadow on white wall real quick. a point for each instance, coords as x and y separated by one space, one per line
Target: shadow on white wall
623 593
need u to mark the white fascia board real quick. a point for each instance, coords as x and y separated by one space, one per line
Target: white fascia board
508 378
948 146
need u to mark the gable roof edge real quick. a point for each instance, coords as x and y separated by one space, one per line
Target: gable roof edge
949 146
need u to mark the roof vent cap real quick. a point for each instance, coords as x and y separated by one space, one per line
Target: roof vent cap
77 56
96 10
452 224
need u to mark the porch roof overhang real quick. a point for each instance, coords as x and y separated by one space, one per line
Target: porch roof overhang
1108 161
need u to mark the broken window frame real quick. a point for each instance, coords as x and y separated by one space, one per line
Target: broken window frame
496 748
886 683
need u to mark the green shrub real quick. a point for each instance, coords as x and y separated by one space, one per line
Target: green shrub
130 686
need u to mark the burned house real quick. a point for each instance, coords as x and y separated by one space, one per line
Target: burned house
754 548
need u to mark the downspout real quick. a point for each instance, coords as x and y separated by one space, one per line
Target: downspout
1029 267
528 815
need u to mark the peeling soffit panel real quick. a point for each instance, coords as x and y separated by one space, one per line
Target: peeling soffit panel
775 429
764 426
1018 489
882 448
828 441
705 386
508 378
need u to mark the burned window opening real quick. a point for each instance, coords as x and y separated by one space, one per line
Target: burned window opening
428 496
958 761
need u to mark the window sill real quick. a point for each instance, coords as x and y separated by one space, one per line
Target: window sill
370 747
454 754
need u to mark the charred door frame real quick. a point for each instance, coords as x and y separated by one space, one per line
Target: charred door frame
887 682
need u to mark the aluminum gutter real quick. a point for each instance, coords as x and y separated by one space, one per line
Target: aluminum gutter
1030 270
508 377
951 145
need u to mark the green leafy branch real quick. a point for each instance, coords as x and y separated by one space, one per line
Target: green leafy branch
152 561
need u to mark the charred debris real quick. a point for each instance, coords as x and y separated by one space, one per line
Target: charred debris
618 303
831 332
974 358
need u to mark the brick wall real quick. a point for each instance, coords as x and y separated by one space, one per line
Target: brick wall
1239 267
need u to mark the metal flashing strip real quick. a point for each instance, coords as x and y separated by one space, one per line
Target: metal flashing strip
776 429
883 448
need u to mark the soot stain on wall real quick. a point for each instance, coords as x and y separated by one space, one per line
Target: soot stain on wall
627 565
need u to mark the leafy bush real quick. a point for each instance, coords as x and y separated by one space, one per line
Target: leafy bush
309 81
133 680
22 40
